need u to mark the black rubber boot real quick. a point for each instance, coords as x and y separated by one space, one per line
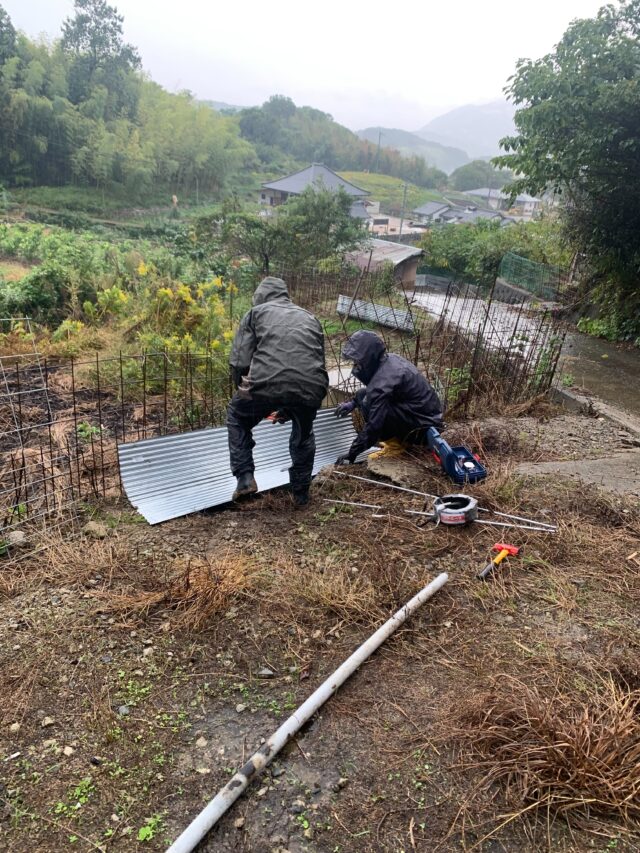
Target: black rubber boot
300 495
246 486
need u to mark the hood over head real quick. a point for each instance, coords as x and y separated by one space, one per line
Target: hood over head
366 350
270 288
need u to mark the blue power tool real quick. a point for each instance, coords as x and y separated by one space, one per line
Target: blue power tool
458 462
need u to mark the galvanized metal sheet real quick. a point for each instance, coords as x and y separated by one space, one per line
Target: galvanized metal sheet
174 475
392 318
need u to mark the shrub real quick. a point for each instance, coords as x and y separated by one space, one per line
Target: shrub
40 295
112 300
71 338
66 330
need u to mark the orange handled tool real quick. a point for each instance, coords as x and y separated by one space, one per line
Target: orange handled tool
504 550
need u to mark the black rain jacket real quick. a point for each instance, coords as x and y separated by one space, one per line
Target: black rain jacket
395 393
279 350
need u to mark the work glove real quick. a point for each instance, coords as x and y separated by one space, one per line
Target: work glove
344 409
345 459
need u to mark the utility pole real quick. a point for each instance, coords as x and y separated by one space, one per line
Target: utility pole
404 201
378 151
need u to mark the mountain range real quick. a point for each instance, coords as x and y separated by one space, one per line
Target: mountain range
436 154
222 106
471 132
477 129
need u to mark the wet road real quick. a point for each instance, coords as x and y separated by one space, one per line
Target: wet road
502 326
588 365
608 371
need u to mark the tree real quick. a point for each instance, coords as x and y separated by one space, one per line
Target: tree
256 237
318 224
7 37
96 30
472 252
310 227
94 40
578 123
477 174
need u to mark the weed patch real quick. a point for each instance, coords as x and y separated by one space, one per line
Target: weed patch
198 590
556 752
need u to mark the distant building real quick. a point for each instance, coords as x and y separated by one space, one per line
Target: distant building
431 211
472 214
316 175
437 211
377 253
524 205
359 210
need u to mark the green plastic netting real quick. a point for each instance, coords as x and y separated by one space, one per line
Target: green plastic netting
543 280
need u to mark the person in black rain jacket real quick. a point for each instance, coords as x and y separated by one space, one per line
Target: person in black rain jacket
397 402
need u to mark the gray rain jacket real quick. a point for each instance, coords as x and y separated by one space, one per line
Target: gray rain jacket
279 348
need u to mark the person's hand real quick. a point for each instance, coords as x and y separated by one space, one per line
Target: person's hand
343 460
279 417
344 409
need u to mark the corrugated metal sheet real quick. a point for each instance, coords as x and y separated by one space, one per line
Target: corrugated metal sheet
376 252
392 318
174 475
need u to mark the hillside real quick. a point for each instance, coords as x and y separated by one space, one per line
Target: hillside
286 136
388 191
441 156
222 107
475 128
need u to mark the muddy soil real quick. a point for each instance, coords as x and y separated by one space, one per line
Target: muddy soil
121 719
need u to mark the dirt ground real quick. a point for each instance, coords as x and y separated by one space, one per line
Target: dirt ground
141 668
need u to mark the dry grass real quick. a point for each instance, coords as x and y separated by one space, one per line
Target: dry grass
306 588
197 590
60 559
336 591
12 270
558 752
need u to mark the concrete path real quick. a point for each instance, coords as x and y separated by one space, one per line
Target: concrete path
619 473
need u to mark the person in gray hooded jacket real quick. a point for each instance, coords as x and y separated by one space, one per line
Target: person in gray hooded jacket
277 362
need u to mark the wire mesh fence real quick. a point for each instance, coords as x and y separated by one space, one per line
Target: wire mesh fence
543 280
62 419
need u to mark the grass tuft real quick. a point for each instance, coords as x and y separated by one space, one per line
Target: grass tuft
198 589
558 752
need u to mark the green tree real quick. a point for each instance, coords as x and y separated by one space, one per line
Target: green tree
477 174
310 227
318 224
80 112
94 40
7 37
96 31
578 123
257 237
472 252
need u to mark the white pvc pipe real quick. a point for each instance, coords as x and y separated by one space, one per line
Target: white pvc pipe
225 798
519 518
384 485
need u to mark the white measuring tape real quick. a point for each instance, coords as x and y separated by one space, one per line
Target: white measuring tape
455 509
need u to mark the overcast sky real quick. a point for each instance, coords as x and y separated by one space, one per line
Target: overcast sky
366 63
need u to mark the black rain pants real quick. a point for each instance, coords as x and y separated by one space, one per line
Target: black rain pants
243 415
